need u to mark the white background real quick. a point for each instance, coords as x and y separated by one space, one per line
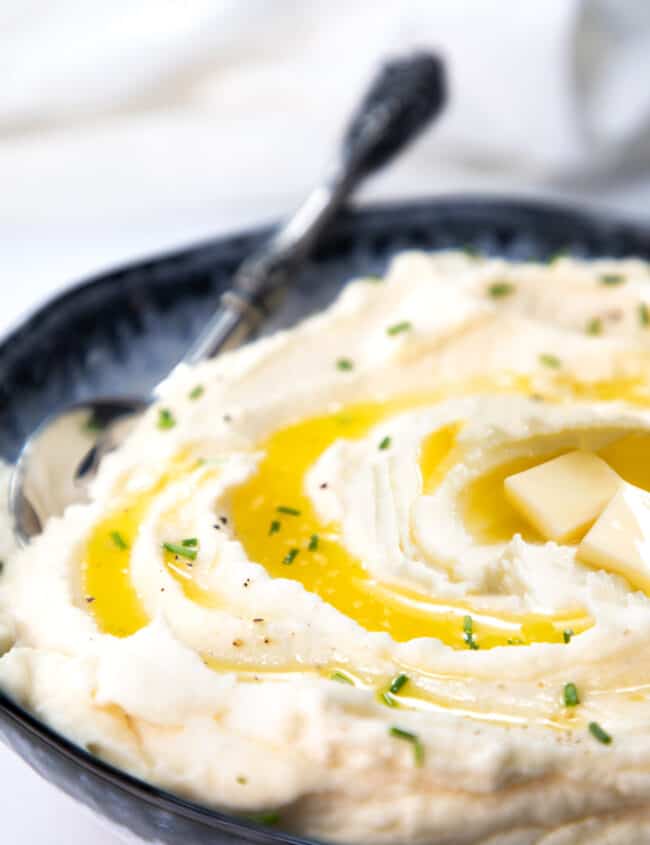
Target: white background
145 124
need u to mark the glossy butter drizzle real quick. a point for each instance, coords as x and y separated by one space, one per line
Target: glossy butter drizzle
326 568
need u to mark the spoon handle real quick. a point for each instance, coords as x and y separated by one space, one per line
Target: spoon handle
406 94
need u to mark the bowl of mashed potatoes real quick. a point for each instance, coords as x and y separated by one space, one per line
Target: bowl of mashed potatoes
382 575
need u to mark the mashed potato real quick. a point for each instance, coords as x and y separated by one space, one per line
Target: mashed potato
301 589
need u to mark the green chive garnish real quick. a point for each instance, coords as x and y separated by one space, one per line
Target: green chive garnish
313 543
397 683
190 542
498 290
557 256
290 556
611 278
398 328
344 364
289 511
166 419
598 733
644 314
270 818
119 541
385 443
571 697
550 361
341 678
197 392
567 634
93 425
468 633
274 527
180 550
418 748
594 326
2 566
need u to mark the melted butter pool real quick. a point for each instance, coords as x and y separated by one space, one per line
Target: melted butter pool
278 527
322 565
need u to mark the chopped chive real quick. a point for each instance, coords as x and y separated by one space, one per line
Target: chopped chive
598 733
181 551
385 443
274 526
397 683
470 251
594 326
567 634
119 540
344 364
644 314
341 677
398 328
269 818
557 256
166 419
571 697
313 543
498 290
2 566
289 511
468 633
418 748
197 392
388 699
190 542
290 556
93 425
550 361
611 278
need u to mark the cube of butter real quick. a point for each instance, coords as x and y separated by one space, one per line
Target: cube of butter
619 540
562 497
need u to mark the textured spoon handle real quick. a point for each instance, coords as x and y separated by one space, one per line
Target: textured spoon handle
406 94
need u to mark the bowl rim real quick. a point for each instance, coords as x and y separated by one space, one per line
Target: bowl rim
380 216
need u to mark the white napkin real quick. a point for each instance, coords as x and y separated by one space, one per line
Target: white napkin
553 84
138 123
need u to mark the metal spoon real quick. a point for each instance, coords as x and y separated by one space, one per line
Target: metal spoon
59 459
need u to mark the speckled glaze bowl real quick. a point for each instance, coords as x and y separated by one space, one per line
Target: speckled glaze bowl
122 331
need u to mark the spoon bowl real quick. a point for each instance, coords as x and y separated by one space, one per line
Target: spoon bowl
57 461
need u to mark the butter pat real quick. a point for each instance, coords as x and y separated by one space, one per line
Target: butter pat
619 540
561 497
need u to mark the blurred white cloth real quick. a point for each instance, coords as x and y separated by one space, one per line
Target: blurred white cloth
155 107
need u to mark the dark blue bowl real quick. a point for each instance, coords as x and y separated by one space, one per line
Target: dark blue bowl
122 331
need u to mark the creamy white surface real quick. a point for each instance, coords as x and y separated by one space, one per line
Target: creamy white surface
317 749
